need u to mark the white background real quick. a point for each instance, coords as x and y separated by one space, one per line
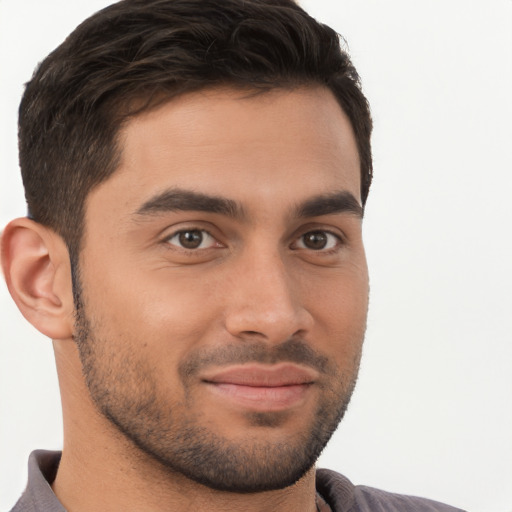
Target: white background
432 414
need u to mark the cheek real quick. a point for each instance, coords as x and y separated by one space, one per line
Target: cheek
340 309
157 311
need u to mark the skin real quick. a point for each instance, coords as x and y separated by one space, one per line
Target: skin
152 309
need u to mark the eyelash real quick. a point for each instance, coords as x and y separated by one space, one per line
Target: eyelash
191 230
337 243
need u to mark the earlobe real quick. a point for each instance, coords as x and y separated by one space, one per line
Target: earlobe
36 267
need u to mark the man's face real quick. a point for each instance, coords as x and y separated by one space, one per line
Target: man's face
224 286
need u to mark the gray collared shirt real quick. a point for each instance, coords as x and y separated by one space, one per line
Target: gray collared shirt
337 491
38 496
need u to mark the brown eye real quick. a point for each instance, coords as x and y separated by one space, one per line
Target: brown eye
315 240
192 239
318 240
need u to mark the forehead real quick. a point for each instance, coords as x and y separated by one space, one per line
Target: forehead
280 145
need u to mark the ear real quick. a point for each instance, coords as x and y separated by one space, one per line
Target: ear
37 271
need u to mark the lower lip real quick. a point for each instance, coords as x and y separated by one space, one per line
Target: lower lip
261 398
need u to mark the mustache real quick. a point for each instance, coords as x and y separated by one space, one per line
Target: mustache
291 351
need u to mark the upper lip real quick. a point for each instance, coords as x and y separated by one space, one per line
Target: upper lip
256 375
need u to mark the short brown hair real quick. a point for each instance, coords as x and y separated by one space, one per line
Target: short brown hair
79 96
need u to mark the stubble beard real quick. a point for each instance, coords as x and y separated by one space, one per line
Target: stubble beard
125 392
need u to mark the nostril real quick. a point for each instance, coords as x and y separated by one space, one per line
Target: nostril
253 333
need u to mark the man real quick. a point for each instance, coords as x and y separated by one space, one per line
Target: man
196 174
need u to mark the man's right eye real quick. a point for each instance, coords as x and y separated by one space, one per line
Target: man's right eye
192 239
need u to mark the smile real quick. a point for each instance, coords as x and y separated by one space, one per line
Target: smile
262 388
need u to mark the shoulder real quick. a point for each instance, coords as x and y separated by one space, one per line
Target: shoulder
343 496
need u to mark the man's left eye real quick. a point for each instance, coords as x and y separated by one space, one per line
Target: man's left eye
318 241
192 239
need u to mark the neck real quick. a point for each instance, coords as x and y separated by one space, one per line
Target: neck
87 483
101 469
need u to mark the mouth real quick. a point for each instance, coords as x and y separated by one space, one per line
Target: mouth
262 388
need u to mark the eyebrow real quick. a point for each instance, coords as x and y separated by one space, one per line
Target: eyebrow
186 200
328 204
177 199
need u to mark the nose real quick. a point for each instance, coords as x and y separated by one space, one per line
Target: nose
265 300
